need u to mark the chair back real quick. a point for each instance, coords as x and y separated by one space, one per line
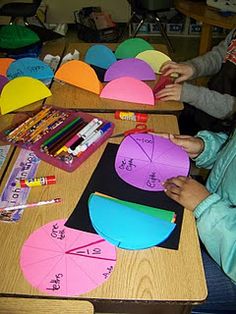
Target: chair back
37 2
153 5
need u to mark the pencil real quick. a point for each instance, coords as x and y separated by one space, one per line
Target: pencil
15 207
61 131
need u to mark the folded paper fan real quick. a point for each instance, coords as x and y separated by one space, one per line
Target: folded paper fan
154 58
128 89
131 47
31 67
100 56
132 67
21 92
125 226
80 74
3 81
145 161
4 65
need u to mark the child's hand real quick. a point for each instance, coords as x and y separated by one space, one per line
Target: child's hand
185 191
170 92
183 70
192 145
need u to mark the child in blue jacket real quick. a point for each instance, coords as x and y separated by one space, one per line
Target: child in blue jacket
214 207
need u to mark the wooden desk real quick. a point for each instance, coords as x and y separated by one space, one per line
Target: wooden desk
71 96
143 281
208 16
40 306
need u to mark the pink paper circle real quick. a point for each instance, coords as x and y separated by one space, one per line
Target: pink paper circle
146 161
65 262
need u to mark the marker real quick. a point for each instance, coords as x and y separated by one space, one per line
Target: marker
93 138
10 208
85 134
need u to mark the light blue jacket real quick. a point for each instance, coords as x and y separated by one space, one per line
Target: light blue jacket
216 218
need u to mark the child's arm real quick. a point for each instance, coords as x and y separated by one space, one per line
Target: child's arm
216 222
213 143
216 219
210 63
212 102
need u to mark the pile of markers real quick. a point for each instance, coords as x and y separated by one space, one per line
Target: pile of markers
75 137
71 135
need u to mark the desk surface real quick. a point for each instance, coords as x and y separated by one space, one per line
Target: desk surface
40 306
71 96
200 11
208 16
154 274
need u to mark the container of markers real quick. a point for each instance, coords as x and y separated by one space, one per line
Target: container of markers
63 138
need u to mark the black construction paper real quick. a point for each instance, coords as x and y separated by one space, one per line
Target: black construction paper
105 180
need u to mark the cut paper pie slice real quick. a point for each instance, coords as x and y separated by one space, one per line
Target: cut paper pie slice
60 261
100 56
131 47
79 74
131 67
21 92
125 226
31 67
147 160
154 58
4 65
128 89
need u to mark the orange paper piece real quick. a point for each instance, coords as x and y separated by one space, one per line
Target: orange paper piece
21 92
129 89
4 65
80 74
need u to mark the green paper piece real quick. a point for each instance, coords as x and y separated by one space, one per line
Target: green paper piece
131 47
163 214
17 36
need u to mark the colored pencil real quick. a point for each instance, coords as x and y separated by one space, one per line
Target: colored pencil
61 131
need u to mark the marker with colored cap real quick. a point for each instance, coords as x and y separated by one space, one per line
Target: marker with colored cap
85 134
93 138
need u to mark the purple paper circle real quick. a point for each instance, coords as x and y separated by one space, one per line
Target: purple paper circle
146 160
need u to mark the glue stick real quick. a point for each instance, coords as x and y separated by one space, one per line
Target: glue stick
131 116
37 181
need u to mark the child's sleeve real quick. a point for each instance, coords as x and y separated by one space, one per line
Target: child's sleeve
212 145
212 102
216 223
210 63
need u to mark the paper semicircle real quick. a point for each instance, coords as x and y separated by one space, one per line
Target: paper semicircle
4 65
128 89
32 67
154 58
100 56
79 74
125 226
132 67
131 47
21 92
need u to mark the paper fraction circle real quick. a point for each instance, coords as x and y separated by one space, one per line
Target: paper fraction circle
147 160
65 262
128 228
